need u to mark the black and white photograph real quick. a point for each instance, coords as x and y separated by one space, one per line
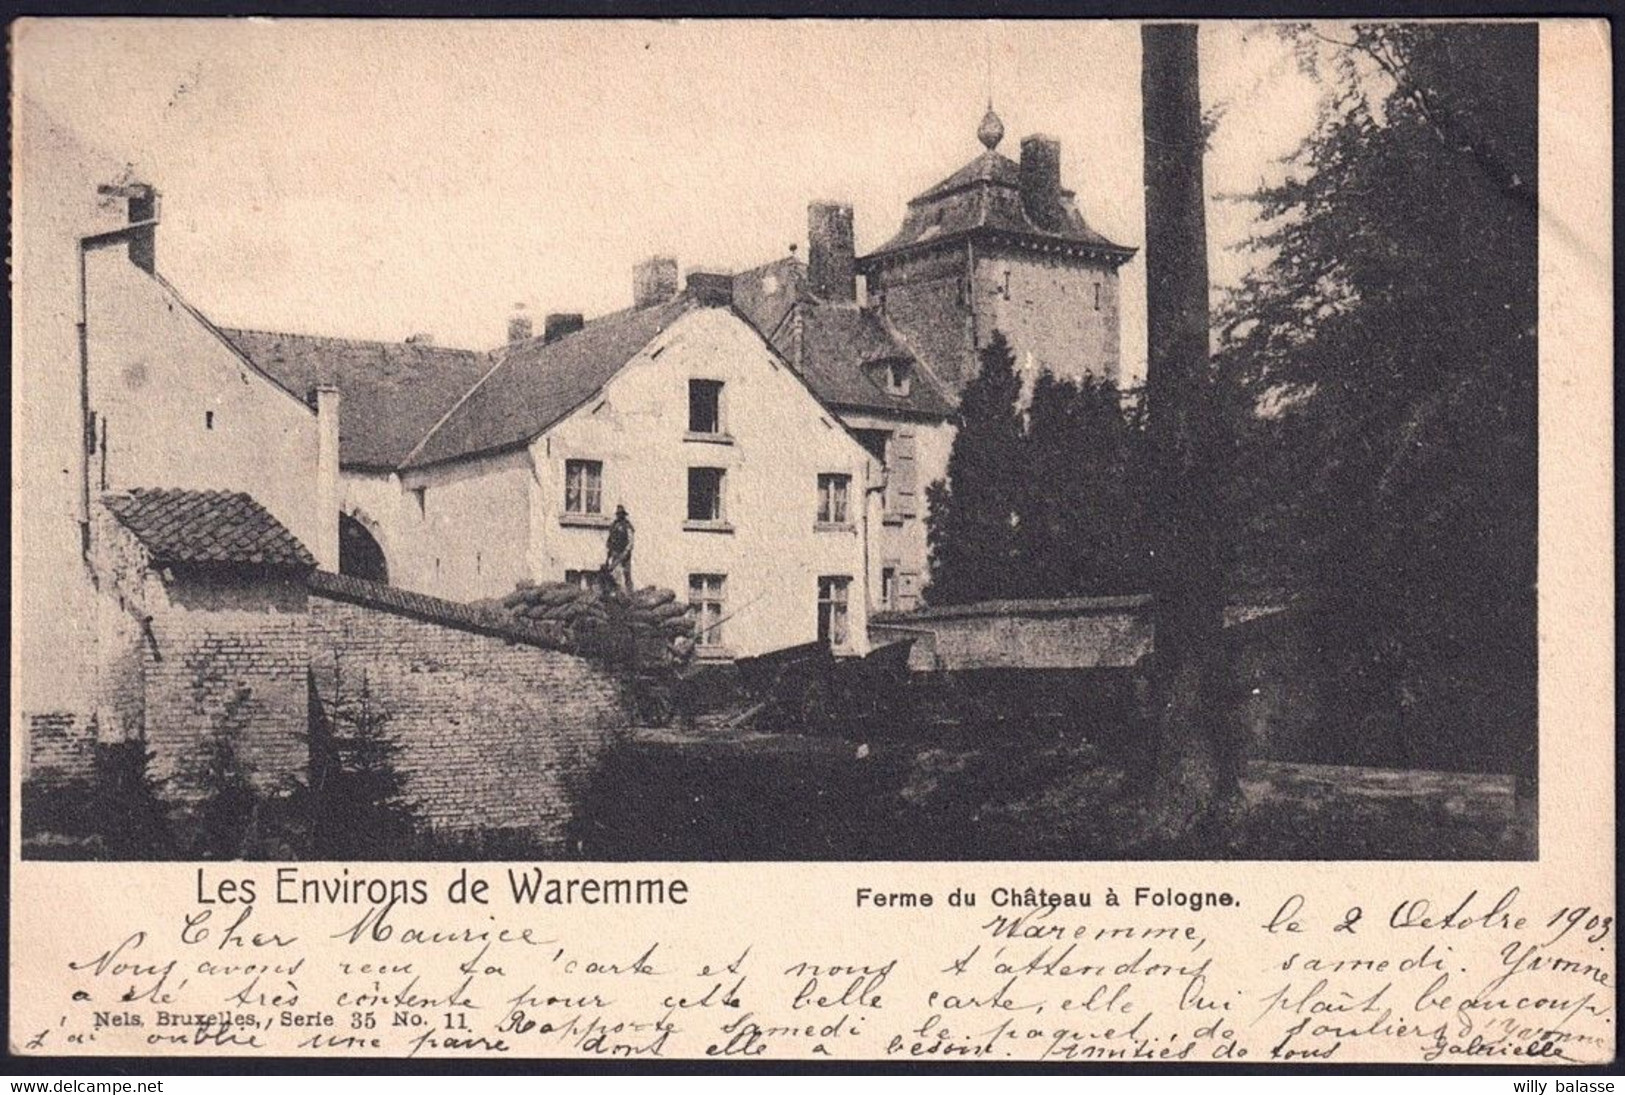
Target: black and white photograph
911 545
794 441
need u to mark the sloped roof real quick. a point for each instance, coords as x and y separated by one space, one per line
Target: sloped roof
766 294
207 528
837 348
842 351
984 198
394 392
536 383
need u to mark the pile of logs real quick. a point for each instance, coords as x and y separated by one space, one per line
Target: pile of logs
648 627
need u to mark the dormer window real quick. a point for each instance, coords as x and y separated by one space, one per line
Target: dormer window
899 378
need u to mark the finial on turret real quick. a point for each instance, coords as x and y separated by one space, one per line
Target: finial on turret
991 131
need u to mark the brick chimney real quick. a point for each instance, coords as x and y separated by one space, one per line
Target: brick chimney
560 324
1041 182
520 327
711 288
654 281
831 261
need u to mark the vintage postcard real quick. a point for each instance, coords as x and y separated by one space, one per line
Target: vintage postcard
965 541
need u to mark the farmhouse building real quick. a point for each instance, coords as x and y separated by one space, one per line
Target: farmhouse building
857 362
119 383
744 488
458 473
884 341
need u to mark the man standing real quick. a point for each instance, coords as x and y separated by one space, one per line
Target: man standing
620 548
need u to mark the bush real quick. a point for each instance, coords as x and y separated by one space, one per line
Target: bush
354 803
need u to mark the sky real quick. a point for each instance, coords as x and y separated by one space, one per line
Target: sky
376 179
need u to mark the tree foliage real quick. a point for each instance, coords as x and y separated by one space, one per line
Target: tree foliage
1081 526
1389 334
974 513
1040 498
355 804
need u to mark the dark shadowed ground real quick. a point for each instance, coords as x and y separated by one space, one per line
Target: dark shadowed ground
670 795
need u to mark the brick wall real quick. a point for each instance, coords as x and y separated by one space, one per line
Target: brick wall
228 656
499 729
60 746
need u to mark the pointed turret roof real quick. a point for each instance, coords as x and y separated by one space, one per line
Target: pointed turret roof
984 199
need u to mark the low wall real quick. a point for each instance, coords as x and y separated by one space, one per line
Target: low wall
499 729
227 657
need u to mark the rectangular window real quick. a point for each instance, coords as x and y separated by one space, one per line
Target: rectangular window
705 406
1097 296
833 494
888 588
707 594
832 610
584 486
705 494
897 378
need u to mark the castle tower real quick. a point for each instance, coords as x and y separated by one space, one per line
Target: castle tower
1001 245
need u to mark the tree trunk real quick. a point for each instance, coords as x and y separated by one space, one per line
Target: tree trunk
1195 757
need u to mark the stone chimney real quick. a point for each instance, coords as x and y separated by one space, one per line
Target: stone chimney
711 288
142 201
654 281
1041 182
144 244
520 328
560 324
831 261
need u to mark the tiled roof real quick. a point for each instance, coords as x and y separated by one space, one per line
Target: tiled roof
984 198
837 348
843 351
394 392
536 383
207 528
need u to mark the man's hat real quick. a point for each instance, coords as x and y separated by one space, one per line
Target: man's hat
620 511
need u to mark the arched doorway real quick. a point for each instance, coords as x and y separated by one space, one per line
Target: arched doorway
360 555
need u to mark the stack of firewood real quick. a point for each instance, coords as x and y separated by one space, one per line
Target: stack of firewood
650 626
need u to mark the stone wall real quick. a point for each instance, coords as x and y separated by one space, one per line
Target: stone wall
1058 313
498 732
